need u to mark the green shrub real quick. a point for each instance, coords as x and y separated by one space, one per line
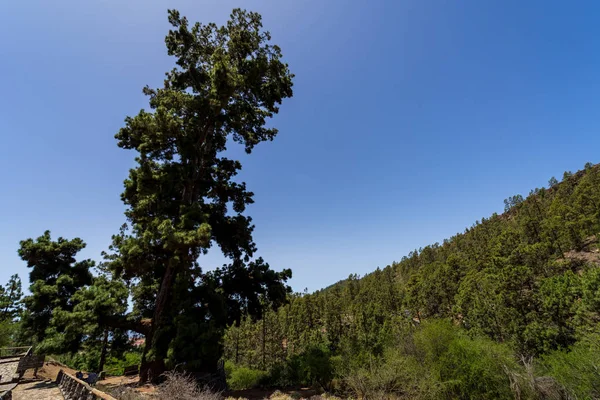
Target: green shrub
467 368
395 375
240 378
7 329
577 368
475 369
316 365
283 374
89 359
116 366
229 367
76 361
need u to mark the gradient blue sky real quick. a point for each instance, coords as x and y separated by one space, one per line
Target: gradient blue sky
410 120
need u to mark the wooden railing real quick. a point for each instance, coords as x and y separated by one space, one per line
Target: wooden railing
14 351
75 389
30 361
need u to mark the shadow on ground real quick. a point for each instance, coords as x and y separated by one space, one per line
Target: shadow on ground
41 385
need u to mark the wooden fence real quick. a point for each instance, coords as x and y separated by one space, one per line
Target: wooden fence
76 389
7 352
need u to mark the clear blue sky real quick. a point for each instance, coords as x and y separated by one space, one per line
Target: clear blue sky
410 120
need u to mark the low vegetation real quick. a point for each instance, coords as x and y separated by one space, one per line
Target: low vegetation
240 378
88 360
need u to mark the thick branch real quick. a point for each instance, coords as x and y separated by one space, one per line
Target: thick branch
122 322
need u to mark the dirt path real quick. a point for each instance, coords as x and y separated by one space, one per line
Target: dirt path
50 371
8 368
37 390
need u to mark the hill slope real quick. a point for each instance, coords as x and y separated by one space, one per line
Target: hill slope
527 279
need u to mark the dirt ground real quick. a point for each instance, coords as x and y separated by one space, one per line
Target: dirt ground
51 368
49 371
37 390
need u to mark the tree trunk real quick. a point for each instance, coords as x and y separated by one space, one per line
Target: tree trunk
237 345
121 322
104 351
151 370
264 334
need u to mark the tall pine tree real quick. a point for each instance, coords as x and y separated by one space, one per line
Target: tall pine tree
182 196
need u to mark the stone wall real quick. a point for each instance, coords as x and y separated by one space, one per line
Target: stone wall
76 389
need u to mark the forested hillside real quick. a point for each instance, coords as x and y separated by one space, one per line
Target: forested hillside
510 307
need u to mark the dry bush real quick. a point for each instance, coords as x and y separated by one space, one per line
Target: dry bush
396 376
324 396
525 385
179 386
277 395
